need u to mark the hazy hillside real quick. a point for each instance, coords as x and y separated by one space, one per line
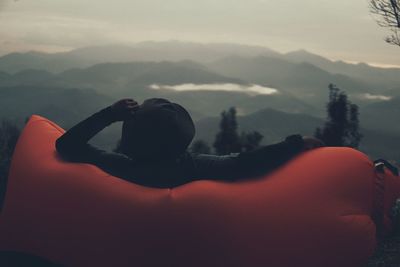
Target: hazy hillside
303 79
303 74
211 103
379 144
113 78
34 83
25 77
57 62
379 78
64 106
134 80
275 126
169 51
382 116
145 51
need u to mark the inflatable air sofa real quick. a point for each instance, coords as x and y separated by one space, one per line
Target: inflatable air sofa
323 208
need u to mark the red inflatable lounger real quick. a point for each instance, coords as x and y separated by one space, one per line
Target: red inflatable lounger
314 211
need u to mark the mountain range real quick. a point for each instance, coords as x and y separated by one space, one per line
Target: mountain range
145 51
179 51
68 86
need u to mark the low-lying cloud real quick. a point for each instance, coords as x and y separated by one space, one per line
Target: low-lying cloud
251 89
377 97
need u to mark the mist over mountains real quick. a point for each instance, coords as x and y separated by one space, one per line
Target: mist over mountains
144 51
180 51
67 87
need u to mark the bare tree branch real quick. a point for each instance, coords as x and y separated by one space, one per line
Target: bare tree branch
388 15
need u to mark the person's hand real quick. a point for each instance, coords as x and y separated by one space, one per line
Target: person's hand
124 109
312 143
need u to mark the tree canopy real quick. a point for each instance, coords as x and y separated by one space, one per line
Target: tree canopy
342 125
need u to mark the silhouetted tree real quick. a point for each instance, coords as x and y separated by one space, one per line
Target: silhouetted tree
200 147
227 139
388 15
250 141
342 125
9 133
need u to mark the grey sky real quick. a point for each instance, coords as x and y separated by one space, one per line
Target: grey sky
340 29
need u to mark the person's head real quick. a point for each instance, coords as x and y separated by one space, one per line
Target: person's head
158 130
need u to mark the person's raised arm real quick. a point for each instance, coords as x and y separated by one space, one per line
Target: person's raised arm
73 143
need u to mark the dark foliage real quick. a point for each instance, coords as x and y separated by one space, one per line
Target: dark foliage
9 133
250 141
342 125
200 147
228 140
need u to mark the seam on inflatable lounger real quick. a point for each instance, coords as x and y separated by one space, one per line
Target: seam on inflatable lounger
170 194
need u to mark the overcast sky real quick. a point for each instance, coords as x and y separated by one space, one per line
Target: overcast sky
339 29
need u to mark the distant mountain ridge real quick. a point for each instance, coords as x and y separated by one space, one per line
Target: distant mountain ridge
119 75
377 77
144 51
380 79
135 78
63 105
300 83
178 51
303 79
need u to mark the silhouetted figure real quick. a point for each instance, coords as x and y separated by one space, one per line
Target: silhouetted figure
154 142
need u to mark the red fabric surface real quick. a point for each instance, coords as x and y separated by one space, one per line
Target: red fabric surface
314 211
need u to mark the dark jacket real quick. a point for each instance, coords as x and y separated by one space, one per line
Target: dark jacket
73 146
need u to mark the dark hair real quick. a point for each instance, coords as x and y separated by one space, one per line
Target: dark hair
158 130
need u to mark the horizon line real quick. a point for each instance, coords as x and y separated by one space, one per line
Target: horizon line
132 44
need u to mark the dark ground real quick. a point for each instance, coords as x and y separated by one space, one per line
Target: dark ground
387 254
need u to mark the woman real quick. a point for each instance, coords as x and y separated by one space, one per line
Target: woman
154 142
